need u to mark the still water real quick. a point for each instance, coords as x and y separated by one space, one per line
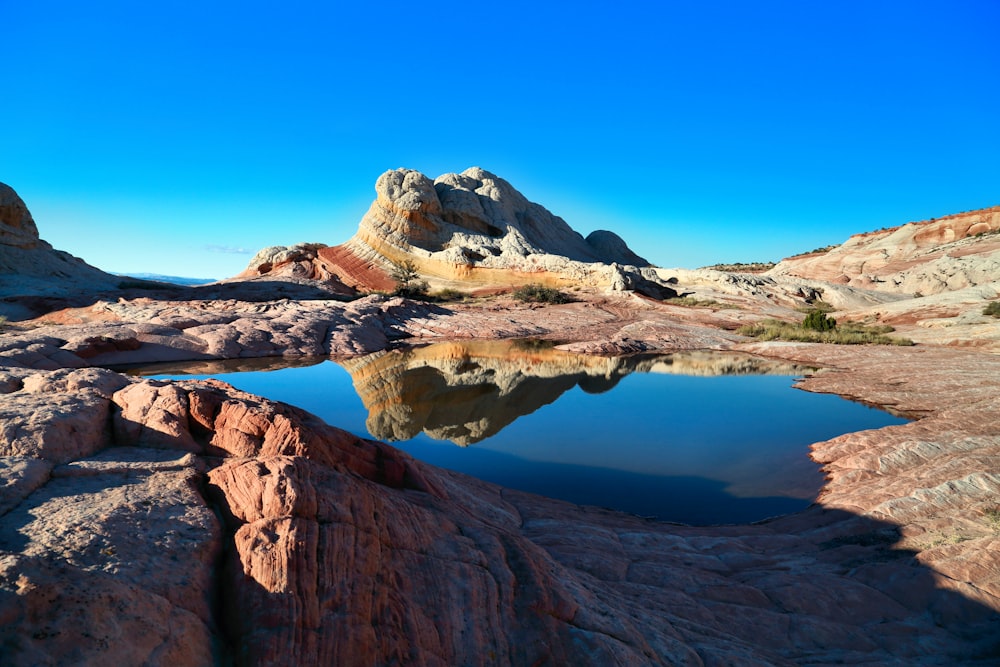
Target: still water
699 438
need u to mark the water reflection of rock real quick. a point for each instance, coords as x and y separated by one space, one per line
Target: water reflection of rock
222 366
467 391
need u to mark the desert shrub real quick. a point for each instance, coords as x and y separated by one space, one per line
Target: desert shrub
848 334
449 294
412 290
992 516
992 309
535 293
817 320
407 280
533 344
743 267
691 301
817 304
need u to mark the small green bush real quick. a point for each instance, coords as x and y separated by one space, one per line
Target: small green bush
743 267
449 294
818 304
535 293
817 320
414 290
407 283
691 301
993 309
992 516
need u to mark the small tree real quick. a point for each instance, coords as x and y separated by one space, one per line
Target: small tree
407 280
817 320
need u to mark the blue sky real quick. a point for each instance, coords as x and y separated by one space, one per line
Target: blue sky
178 137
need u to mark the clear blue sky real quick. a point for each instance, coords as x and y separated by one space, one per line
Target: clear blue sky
178 137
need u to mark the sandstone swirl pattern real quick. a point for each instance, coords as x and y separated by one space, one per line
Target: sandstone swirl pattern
473 227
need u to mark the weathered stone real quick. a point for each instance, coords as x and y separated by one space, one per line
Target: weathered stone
336 549
112 561
55 427
17 227
929 257
472 227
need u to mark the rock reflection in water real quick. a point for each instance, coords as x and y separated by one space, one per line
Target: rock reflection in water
471 390
709 449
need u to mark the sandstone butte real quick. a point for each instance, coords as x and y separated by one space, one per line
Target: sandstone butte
188 523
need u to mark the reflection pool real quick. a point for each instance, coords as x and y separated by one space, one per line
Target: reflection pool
699 438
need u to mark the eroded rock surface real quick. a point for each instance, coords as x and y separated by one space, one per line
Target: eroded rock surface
929 257
471 228
188 523
332 548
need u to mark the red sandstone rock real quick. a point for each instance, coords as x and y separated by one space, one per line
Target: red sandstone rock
337 550
342 548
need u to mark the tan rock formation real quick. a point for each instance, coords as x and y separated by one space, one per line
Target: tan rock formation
472 229
929 257
304 261
17 227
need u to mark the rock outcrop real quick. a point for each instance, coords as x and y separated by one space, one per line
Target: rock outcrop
17 227
929 257
209 526
472 229
30 266
188 523
303 261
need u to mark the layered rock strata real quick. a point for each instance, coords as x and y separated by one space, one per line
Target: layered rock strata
929 257
472 227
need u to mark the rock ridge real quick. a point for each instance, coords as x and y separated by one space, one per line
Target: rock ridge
929 257
472 228
30 266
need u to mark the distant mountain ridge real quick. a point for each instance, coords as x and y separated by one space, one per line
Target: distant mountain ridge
174 280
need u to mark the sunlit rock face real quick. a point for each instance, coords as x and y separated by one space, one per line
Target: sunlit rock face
466 392
472 212
474 228
929 257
